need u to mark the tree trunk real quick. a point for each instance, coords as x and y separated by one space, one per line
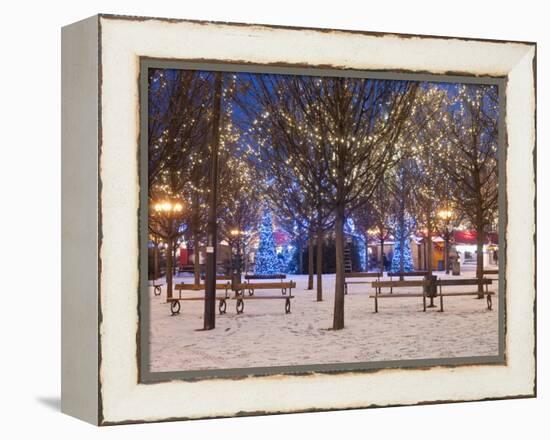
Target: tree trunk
310 266
402 257
447 252
429 261
401 243
426 254
239 259
338 322
169 268
300 258
429 253
212 230
367 262
319 265
382 268
479 259
244 258
196 258
156 271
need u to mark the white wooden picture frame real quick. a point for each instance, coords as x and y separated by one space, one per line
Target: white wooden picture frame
100 203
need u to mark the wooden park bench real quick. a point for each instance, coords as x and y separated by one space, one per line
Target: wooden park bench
274 276
252 287
379 285
360 275
283 285
465 282
175 301
182 268
218 277
240 296
491 272
416 273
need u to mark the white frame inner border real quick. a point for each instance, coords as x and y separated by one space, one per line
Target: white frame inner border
123 41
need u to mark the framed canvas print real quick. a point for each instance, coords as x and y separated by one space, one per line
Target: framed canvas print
262 220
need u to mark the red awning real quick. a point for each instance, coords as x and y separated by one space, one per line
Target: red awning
470 237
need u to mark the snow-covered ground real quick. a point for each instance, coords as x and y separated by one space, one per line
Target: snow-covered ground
265 336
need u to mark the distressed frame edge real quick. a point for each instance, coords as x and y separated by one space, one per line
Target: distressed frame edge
79 229
244 413
236 24
146 376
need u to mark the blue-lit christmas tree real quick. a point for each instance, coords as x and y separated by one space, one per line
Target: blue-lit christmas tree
286 260
402 235
267 262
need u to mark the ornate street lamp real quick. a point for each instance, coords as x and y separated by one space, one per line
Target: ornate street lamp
169 211
446 216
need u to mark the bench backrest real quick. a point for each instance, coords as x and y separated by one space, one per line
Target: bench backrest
464 282
363 275
490 272
275 276
218 277
418 273
289 284
400 283
183 286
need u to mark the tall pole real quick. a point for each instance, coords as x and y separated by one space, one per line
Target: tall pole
447 239
239 256
310 266
156 275
382 266
169 261
319 264
212 232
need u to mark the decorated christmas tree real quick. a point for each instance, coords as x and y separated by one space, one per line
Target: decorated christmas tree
362 251
405 253
286 260
267 262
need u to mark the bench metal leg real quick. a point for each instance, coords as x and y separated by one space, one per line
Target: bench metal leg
222 306
345 288
175 307
157 290
424 302
489 302
440 302
283 291
287 305
239 306
376 303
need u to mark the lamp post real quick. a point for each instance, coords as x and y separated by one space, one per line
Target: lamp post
156 244
170 211
236 235
381 234
446 215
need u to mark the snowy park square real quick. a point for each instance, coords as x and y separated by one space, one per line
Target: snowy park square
265 336
307 220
